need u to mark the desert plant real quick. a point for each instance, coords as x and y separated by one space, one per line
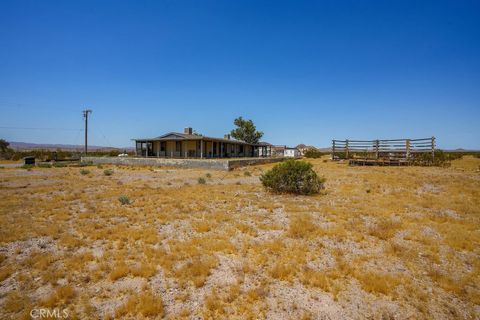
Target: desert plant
27 166
201 180
44 165
297 177
124 200
208 175
59 165
108 172
313 153
247 174
84 172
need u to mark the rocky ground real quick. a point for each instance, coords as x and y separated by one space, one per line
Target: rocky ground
378 242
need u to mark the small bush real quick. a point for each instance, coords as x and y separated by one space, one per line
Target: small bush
202 180
85 163
247 174
44 165
108 172
59 165
124 200
27 166
313 153
84 172
208 175
297 177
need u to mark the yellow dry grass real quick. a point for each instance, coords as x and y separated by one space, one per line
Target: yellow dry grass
407 237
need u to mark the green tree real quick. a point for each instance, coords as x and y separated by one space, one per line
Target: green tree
5 151
246 131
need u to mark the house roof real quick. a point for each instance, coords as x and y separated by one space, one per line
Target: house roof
184 136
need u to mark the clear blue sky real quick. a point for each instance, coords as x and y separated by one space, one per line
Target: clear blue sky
304 71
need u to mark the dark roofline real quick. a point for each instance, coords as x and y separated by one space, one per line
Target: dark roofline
186 137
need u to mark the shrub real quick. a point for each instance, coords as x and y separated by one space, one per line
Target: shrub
44 165
85 163
108 172
59 165
297 177
84 172
313 153
202 180
247 174
124 200
208 175
27 166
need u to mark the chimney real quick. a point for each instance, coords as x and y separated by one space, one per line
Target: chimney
188 130
227 136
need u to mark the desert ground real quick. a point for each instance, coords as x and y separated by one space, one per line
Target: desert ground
376 243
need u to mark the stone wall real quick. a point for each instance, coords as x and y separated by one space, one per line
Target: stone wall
214 164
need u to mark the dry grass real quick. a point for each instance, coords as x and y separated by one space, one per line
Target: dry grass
379 241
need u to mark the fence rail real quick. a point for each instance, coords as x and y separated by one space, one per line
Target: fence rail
392 151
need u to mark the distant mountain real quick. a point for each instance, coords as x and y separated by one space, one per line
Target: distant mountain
35 146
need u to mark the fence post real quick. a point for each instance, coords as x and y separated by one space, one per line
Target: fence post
346 149
333 149
407 145
433 149
376 149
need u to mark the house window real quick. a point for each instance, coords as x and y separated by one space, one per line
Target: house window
163 146
241 148
178 146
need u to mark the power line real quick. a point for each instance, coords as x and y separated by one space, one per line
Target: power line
26 128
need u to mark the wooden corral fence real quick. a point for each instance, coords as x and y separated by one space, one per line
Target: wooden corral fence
384 152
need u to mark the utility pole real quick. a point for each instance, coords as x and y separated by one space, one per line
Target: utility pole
85 116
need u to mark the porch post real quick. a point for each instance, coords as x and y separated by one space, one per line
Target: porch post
211 148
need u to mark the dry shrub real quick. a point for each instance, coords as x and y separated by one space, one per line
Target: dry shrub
385 228
197 270
61 297
201 226
302 226
383 283
120 270
283 271
145 270
145 304
5 273
247 229
317 279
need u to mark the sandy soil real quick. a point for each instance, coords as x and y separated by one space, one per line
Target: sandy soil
378 242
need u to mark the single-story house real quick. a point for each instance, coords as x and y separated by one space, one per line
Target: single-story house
291 153
192 145
287 152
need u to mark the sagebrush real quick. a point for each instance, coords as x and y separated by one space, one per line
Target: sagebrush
297 177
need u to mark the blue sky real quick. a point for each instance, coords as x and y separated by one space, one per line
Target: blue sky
303 71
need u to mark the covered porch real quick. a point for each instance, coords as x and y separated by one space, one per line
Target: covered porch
199 148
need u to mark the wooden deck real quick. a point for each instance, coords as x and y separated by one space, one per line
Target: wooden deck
378 162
